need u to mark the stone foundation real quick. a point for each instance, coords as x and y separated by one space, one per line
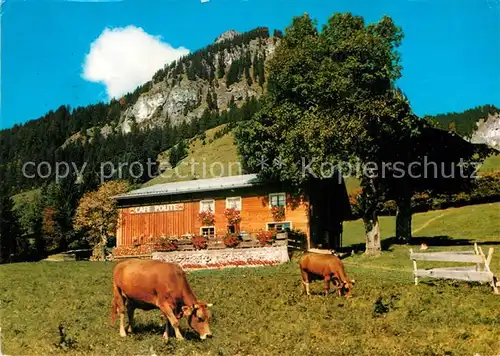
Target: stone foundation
228 257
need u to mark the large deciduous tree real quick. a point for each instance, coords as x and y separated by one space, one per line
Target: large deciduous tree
97 214
330 94
435 161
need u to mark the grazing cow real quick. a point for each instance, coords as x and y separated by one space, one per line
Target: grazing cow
147 285
315 266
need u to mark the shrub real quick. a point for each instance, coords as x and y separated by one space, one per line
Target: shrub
164 244
231 240
421 202
161 244
487 188
389 208
266 237
200 242
133 250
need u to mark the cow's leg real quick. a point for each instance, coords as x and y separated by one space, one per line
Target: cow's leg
121 310
130 315
118 306
169 314
327 284
305 282
338 286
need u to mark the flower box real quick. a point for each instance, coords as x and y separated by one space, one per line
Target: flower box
206 218
278 213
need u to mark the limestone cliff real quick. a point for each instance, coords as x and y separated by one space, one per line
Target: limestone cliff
488 131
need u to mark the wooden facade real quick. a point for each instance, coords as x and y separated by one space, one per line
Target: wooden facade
177 215
172 210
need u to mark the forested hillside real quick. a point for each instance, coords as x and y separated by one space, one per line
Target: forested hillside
464 123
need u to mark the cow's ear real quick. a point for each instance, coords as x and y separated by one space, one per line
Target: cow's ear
187 310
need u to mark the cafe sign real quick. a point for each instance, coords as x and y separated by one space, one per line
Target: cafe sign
157 208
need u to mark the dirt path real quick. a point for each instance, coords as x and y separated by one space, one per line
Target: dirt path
427 223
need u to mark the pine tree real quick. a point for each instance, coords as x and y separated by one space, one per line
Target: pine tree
210 99
214 100
9 229
191 73
221 70
262 75
255 68
248 76
234 73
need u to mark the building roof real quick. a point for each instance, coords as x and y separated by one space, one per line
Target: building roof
191 186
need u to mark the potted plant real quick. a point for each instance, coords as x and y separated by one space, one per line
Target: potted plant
231 240
206 218
199 242
165 244
278 213
266 237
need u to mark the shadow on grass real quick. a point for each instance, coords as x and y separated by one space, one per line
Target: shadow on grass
436 241
141 330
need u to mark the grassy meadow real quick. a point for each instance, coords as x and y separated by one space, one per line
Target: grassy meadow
260 311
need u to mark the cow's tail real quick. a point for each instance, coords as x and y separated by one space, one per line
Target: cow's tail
115 303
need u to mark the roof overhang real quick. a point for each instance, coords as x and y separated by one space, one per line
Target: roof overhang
192 186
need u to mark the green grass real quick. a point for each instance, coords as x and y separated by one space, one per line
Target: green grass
206 157
26 197
490 164
260 311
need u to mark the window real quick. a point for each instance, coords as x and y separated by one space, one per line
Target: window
208 231
233 202
206 205
279 226
277 199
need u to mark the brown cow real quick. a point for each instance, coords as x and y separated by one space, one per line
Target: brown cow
315 266
147 285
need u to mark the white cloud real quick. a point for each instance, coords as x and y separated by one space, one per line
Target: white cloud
124 58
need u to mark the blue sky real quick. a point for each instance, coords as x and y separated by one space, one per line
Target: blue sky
450 53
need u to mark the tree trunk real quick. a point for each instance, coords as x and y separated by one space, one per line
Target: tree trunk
372 231
403 219
104 242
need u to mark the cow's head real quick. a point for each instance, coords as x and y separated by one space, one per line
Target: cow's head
198 317
347 287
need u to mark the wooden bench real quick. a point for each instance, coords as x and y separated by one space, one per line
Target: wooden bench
479 273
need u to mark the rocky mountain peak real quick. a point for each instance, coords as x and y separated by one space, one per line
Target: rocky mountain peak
228 35
488 131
